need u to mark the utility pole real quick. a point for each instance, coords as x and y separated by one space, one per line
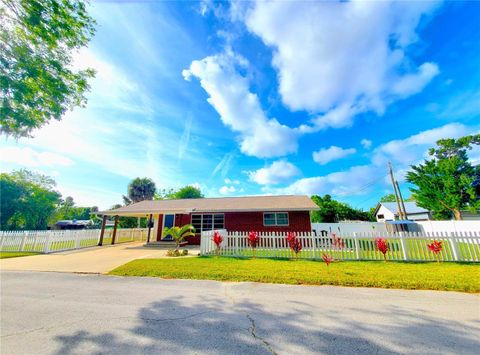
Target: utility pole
400 212
405 216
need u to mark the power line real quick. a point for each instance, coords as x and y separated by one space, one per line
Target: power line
361 188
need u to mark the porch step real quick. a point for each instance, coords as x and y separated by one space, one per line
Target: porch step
163 244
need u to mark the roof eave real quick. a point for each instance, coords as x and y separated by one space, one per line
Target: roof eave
146 213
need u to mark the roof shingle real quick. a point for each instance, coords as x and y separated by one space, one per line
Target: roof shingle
224 204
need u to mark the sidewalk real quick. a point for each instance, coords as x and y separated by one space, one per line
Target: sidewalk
89 260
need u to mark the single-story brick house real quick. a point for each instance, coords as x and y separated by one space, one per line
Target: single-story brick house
240 214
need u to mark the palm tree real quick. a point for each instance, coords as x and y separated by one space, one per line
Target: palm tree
179 233
140 189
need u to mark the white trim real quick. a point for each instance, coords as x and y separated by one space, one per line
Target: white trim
276 225
201 220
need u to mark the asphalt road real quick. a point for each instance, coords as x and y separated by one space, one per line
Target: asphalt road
62 313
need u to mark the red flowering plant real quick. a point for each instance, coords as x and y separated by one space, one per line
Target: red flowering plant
327 259
294 243
217 239
253 240
338 242
382 246
436 247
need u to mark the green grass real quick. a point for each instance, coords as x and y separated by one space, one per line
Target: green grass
11 254
429 276
416 251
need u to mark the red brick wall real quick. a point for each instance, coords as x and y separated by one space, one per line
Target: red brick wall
298 221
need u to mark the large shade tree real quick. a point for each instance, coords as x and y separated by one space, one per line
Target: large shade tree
37 80
28 200
447 183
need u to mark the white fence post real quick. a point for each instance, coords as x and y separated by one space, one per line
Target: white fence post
77 240
357 246
314 244
46 250
453 245
2 240
24 240
404 246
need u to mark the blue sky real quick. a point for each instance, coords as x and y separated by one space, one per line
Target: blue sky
262 98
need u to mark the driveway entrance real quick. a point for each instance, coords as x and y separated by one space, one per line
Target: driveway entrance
91 260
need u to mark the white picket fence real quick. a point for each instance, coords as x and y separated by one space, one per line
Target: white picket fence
349 246
48 241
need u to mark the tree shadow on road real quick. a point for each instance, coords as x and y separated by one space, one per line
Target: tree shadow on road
229 326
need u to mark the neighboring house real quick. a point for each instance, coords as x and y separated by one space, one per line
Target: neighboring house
240 214
388 211
72 224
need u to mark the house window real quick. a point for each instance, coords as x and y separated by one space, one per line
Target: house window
275 219
208 222
380 216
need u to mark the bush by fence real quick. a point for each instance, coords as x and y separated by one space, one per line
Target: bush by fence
349 246
59 240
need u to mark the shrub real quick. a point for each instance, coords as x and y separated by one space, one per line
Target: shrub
176 252
294 243
327 259
253 240
217 239
382 246
338 242
436 247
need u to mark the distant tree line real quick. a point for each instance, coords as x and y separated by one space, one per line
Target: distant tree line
30 201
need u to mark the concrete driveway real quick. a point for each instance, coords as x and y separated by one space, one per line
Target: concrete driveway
89 260
62 313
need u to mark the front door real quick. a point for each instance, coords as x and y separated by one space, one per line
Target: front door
168 222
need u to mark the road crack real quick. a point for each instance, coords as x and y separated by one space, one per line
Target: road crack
252 331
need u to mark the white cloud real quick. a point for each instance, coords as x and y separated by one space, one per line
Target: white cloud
112 88
239 109
29 157
225 190
414 148
348 182
366 143
223 167
326 155
361 179
182 147
234 182
279 171
342 58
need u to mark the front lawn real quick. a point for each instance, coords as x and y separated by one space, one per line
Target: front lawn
12 254
429 276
